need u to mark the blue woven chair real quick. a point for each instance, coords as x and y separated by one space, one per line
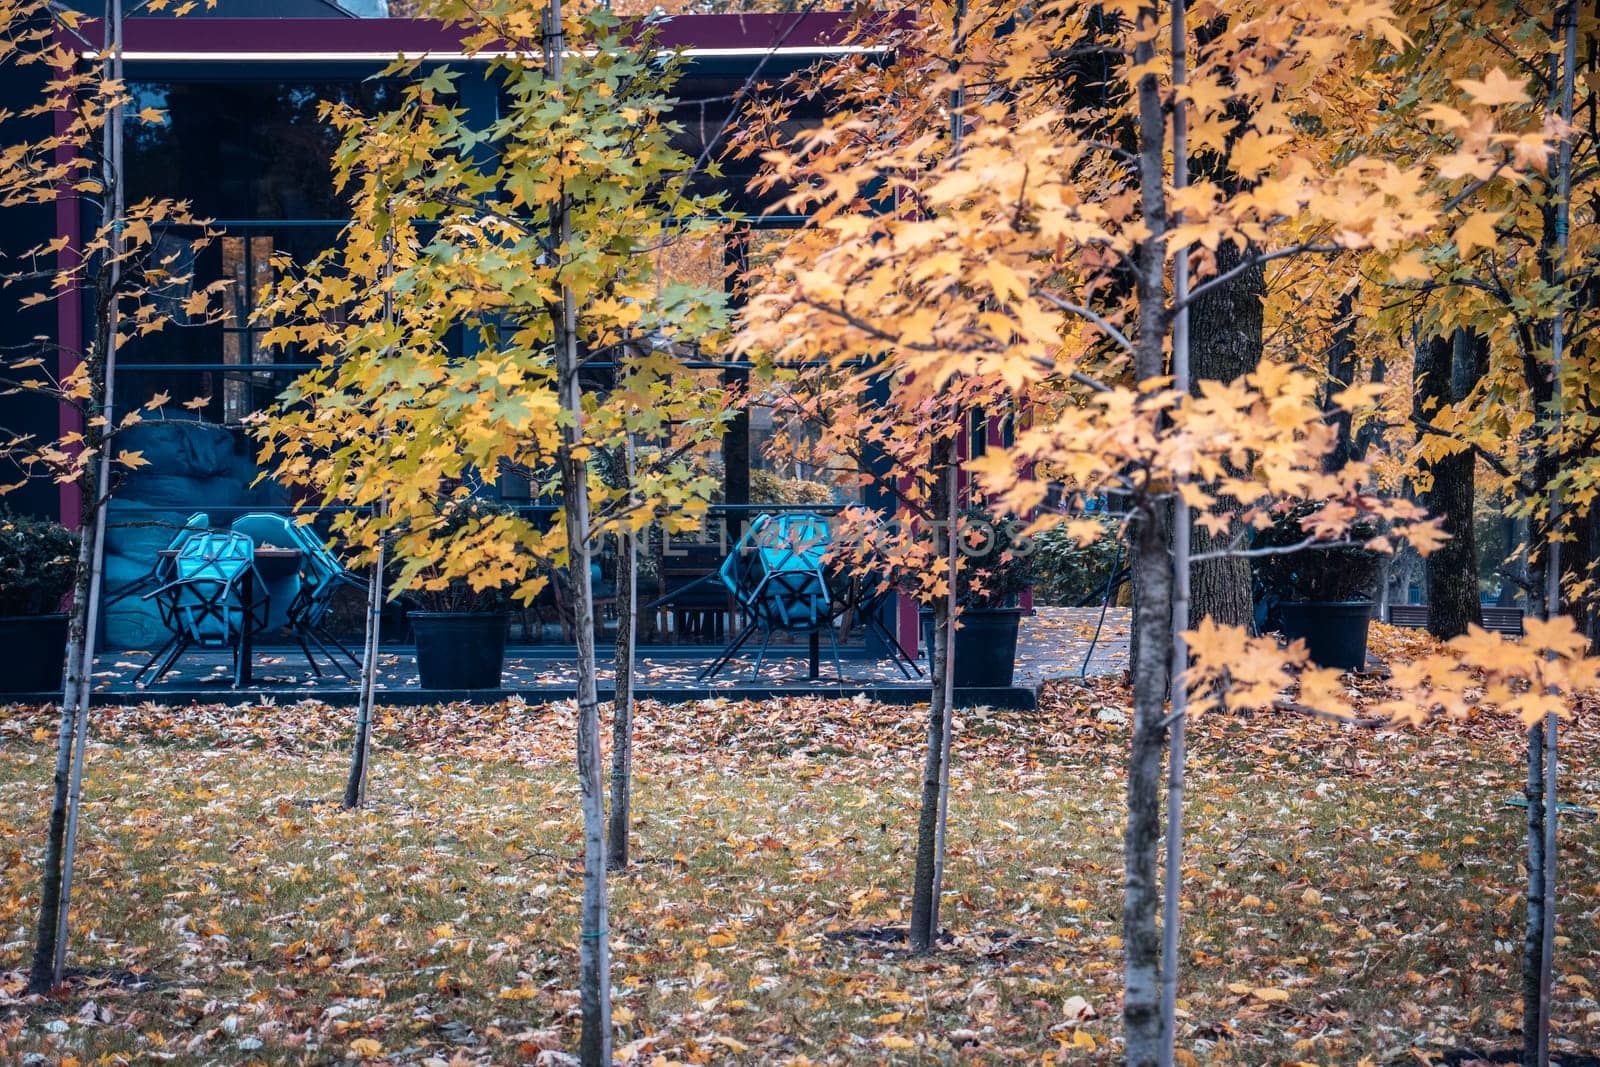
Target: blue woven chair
205 605
162 571
776 575
321 576
302 597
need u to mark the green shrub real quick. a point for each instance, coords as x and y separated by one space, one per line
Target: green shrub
38 560
1066 573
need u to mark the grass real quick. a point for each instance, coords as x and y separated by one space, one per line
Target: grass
1349 894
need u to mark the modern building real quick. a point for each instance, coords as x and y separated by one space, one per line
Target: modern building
243 143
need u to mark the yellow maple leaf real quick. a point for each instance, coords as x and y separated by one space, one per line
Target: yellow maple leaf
365 1047
152 115
1477 232
1410 268
1495 88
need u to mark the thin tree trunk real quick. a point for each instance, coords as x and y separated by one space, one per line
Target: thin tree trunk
1177 753
355 786
927 884
1341 374
1533 934
1539 954
1152 574
1143 1026
594 951
923 933
622 701
72 734
43 975
947 683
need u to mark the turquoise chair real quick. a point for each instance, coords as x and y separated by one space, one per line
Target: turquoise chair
307 593
205 605
162 571
777 576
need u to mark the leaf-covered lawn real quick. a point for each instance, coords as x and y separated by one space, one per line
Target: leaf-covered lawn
1351 893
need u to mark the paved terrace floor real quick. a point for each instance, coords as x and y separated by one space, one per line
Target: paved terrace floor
1053 643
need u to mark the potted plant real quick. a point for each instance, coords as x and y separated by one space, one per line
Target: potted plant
1322 595
37 562
459 622
994 569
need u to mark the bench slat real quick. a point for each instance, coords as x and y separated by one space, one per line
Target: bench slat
1495 619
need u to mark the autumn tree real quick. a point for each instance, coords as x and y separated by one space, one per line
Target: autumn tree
533 238
1515 279
134 283
1045 254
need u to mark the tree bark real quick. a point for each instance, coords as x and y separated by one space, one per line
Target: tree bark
1143 1026
42 973
1341 373
1152 575
55 890
355 786
594 951
1533 935
1447 368
1225 337
923 932
622 701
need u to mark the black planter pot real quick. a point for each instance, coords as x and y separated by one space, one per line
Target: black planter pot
986 646
35 649
459 649
1335 633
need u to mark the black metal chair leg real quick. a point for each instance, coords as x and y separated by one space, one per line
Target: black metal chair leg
182 646
315 670
326 651
762 655
324 639
162 651
712 669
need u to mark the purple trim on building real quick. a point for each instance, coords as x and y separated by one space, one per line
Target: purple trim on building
69 311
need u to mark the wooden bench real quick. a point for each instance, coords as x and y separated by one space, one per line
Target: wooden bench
1498 620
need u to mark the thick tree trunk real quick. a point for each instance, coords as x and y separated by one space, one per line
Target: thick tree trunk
1447 368
923 932
1225 336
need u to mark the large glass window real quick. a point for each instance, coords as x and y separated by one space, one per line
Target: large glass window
243 150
